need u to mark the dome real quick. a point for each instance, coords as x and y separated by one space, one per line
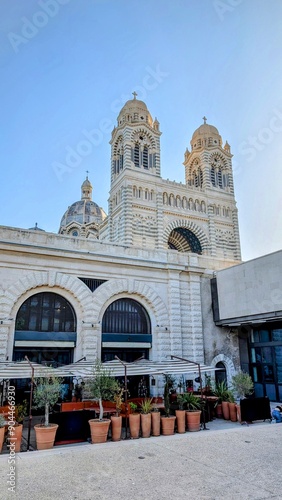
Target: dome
84 211
135 111
206 135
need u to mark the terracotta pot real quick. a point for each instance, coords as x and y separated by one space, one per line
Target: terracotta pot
168 424
45 436
99 430
232 412
2 434
193 419
146 420
180 421
156 423
238 410
116 428
134 425
218 411
15 437
225 410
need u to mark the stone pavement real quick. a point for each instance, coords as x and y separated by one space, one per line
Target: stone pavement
236 462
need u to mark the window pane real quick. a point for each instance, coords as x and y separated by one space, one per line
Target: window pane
278 359
264 336
277 335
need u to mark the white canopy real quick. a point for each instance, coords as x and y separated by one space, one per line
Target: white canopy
22 369
85 369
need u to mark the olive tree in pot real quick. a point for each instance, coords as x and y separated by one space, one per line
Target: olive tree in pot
101 387
168 421
46 393
242 386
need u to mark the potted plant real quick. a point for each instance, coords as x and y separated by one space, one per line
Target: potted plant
134 421
194 410
243 386
146 418
116 420
221 392
101 387
46 393
15 434
156 422
2 431
180 414
168 421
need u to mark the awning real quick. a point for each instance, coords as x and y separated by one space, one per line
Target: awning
22 369
85 369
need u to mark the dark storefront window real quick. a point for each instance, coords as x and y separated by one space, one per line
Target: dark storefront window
266 360
46 312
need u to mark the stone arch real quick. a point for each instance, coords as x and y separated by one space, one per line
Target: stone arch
150 138
50 279
105 292
220 155
229 365
191 226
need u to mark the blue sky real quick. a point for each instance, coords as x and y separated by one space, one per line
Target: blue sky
68 66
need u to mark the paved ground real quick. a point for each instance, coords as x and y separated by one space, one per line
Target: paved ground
228 461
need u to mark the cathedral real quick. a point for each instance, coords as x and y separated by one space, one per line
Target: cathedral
135 281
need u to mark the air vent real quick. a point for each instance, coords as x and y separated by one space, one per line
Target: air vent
92 283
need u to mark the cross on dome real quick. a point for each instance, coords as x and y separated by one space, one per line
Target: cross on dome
134 94
205 119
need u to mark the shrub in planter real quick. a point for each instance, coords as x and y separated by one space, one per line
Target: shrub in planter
168 421
134 421
180 414
116 420
146 419
15 432
193 413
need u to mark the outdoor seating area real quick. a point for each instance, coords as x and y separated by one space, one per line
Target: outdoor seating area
107 413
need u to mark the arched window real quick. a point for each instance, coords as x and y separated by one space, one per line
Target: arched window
220 373
145 157
219 177
126 316
136 155
213 176
46 312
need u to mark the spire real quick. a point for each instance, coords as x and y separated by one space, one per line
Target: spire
86 189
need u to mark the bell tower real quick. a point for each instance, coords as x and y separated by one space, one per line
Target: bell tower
135 164
208 172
